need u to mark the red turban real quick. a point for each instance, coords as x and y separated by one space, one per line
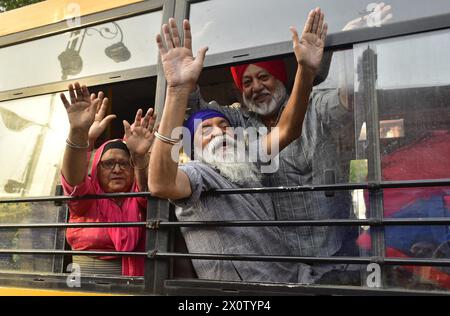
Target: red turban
275 67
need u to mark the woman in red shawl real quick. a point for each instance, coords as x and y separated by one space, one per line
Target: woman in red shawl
117 167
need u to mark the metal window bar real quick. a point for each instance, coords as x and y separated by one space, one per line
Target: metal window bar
305 188
154 254
157 268
157 224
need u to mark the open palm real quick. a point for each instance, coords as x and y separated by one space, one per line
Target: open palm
140 136
81 109
309 48
180 66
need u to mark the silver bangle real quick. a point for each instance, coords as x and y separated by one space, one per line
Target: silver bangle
166 140
70 144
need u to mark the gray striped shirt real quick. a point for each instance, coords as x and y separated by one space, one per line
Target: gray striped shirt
304 162
234 240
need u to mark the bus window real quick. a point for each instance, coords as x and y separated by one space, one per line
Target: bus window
40 126
412 87
32 238
261 22
100 49
324 157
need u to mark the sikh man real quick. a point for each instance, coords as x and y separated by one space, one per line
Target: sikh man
222 167
311 159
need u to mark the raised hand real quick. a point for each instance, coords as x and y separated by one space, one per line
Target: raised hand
139 138
81 109
309 49
180 66
100 121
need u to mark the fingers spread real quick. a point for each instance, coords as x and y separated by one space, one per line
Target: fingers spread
85 93
295 39
187 35
64 100
137 119
159 42
309 22
200 59
72 96
107 120
316 21
167 36
320 26
175 34
79 93
146 120
127 128
103 108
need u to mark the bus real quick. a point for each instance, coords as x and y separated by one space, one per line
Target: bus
389 61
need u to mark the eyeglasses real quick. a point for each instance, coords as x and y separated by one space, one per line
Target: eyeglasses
111 164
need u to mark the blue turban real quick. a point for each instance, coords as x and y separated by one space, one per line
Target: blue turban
199 117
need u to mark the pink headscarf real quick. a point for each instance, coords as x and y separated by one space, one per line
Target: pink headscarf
107 210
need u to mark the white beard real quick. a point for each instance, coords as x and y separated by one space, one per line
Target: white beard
231 162
267 108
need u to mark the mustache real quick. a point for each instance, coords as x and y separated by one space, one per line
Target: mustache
218 142
261 93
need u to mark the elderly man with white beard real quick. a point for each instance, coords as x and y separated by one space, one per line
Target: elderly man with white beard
311 159
221 168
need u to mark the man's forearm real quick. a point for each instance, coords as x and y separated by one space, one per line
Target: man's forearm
291 120
163 169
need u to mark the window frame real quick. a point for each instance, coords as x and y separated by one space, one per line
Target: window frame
157 270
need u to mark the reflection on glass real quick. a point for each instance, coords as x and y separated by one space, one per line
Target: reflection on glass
32 138
42 238
411 93
109 47
70 59
262 22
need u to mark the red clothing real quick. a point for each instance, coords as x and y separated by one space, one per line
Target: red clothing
426 159
106 210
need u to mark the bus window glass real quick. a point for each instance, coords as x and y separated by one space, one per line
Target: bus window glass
110 47
32 238
408 80
225 25
32 137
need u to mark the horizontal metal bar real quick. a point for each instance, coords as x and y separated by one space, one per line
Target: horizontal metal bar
70 252
336 222
239 257
309 260
161 224
73 225
76 198
308 188
337 187
414 184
